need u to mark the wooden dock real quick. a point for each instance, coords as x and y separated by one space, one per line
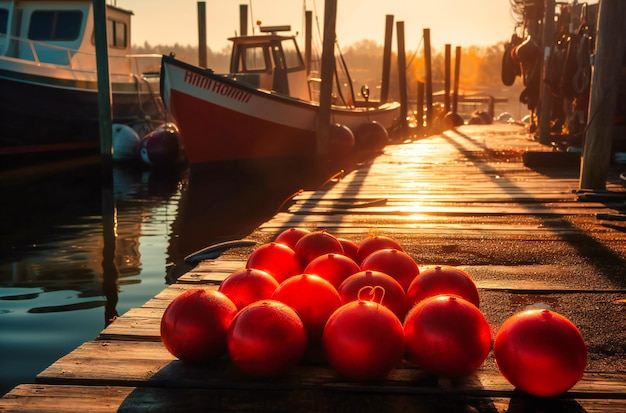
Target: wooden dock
480 198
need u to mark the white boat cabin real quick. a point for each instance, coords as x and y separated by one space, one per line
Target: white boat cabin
61 32
270 61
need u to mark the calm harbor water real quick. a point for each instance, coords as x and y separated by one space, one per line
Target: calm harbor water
55 242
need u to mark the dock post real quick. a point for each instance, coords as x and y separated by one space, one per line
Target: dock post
420 107
326 88
457 76
545 107
104 84
109 270
202 45
446 80
384 89
429 79
308 40
243 19
404 100
605 79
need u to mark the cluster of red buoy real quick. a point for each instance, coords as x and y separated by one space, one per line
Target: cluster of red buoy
364 308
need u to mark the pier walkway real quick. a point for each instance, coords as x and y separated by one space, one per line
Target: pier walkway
481 198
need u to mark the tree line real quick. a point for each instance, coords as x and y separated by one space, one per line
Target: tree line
480 69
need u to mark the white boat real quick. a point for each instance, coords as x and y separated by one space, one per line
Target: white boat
48 79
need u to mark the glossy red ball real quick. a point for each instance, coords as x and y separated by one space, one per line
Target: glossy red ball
442 280
277 259
313 298
291 236
248 285
334 268
266 339
447 336
195 323
315 244
363 340
383 289
375 243
350 248
393 262
540 352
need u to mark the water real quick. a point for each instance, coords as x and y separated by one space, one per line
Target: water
55 245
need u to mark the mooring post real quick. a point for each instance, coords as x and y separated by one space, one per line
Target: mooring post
404 100
109 270
308 40
545 97
243 19
429 79
328 71
446 80
104 84
457 76
384 88
606 71
202 45
420 107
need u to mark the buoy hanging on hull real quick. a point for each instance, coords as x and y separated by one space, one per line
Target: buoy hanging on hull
125 143
161 147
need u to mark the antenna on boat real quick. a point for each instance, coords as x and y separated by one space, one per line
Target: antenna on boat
251 16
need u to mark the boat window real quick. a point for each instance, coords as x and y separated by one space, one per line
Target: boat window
293 59
4 20
253 59
59 25
117 34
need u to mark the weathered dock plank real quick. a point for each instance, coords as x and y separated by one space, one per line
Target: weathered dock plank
98 399
526 234
127 363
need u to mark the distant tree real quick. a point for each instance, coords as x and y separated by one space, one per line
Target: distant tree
480 68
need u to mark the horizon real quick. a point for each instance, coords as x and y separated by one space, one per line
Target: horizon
479 23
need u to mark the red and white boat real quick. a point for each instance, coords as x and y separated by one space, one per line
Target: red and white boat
263 109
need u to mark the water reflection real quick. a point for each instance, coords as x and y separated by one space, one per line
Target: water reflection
217 206
56 241
67 269
64 269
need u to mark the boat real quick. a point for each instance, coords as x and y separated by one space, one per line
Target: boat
48 79
264 108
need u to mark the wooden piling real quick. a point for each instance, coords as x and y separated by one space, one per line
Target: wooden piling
429 79
202 44
457 75
243 19
105 111
328 70
545 97
609 54
384 89
404 100
105 116
308 39
447 64
420 106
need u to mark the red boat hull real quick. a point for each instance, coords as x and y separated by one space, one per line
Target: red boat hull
220 119
232 137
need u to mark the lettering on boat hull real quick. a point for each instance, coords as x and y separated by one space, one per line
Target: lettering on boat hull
216 87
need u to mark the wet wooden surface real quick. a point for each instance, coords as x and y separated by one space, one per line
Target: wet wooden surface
526 233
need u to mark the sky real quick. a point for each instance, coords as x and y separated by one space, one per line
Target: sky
457 22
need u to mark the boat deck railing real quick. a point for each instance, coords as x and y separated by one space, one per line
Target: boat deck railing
75 59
